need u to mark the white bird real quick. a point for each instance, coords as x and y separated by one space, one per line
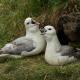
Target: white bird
55 53
31 44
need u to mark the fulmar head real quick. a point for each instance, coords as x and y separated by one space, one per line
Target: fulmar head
29 22
49 32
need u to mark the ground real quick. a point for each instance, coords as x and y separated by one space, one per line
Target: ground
35 68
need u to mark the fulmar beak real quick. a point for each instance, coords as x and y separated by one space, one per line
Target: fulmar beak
42 31
35 22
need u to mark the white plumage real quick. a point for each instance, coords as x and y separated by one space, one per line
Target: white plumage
55 53
31 44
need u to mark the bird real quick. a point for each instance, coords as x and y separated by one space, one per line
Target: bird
55 53
31 44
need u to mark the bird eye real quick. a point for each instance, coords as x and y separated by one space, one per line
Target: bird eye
49 29
28 23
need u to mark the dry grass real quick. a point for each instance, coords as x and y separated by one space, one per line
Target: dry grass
35 68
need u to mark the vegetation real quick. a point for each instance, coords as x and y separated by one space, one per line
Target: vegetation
35 68
12 15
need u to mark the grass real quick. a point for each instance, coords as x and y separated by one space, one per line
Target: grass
35 68
12 15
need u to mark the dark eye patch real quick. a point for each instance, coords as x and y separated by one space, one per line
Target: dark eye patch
33 22
28 23
49 29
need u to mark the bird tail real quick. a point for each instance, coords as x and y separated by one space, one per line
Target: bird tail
78 49
78 53
1 51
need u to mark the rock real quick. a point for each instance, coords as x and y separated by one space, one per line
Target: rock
70 25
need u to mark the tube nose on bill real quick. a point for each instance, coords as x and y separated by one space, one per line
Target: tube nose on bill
35 22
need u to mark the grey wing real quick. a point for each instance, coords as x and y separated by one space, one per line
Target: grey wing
25 47
68 51
20 40
23 44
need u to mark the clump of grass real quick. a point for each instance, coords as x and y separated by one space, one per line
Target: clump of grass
35 68
13 13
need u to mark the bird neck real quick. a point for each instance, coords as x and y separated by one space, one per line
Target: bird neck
32 30
31 33
54 44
